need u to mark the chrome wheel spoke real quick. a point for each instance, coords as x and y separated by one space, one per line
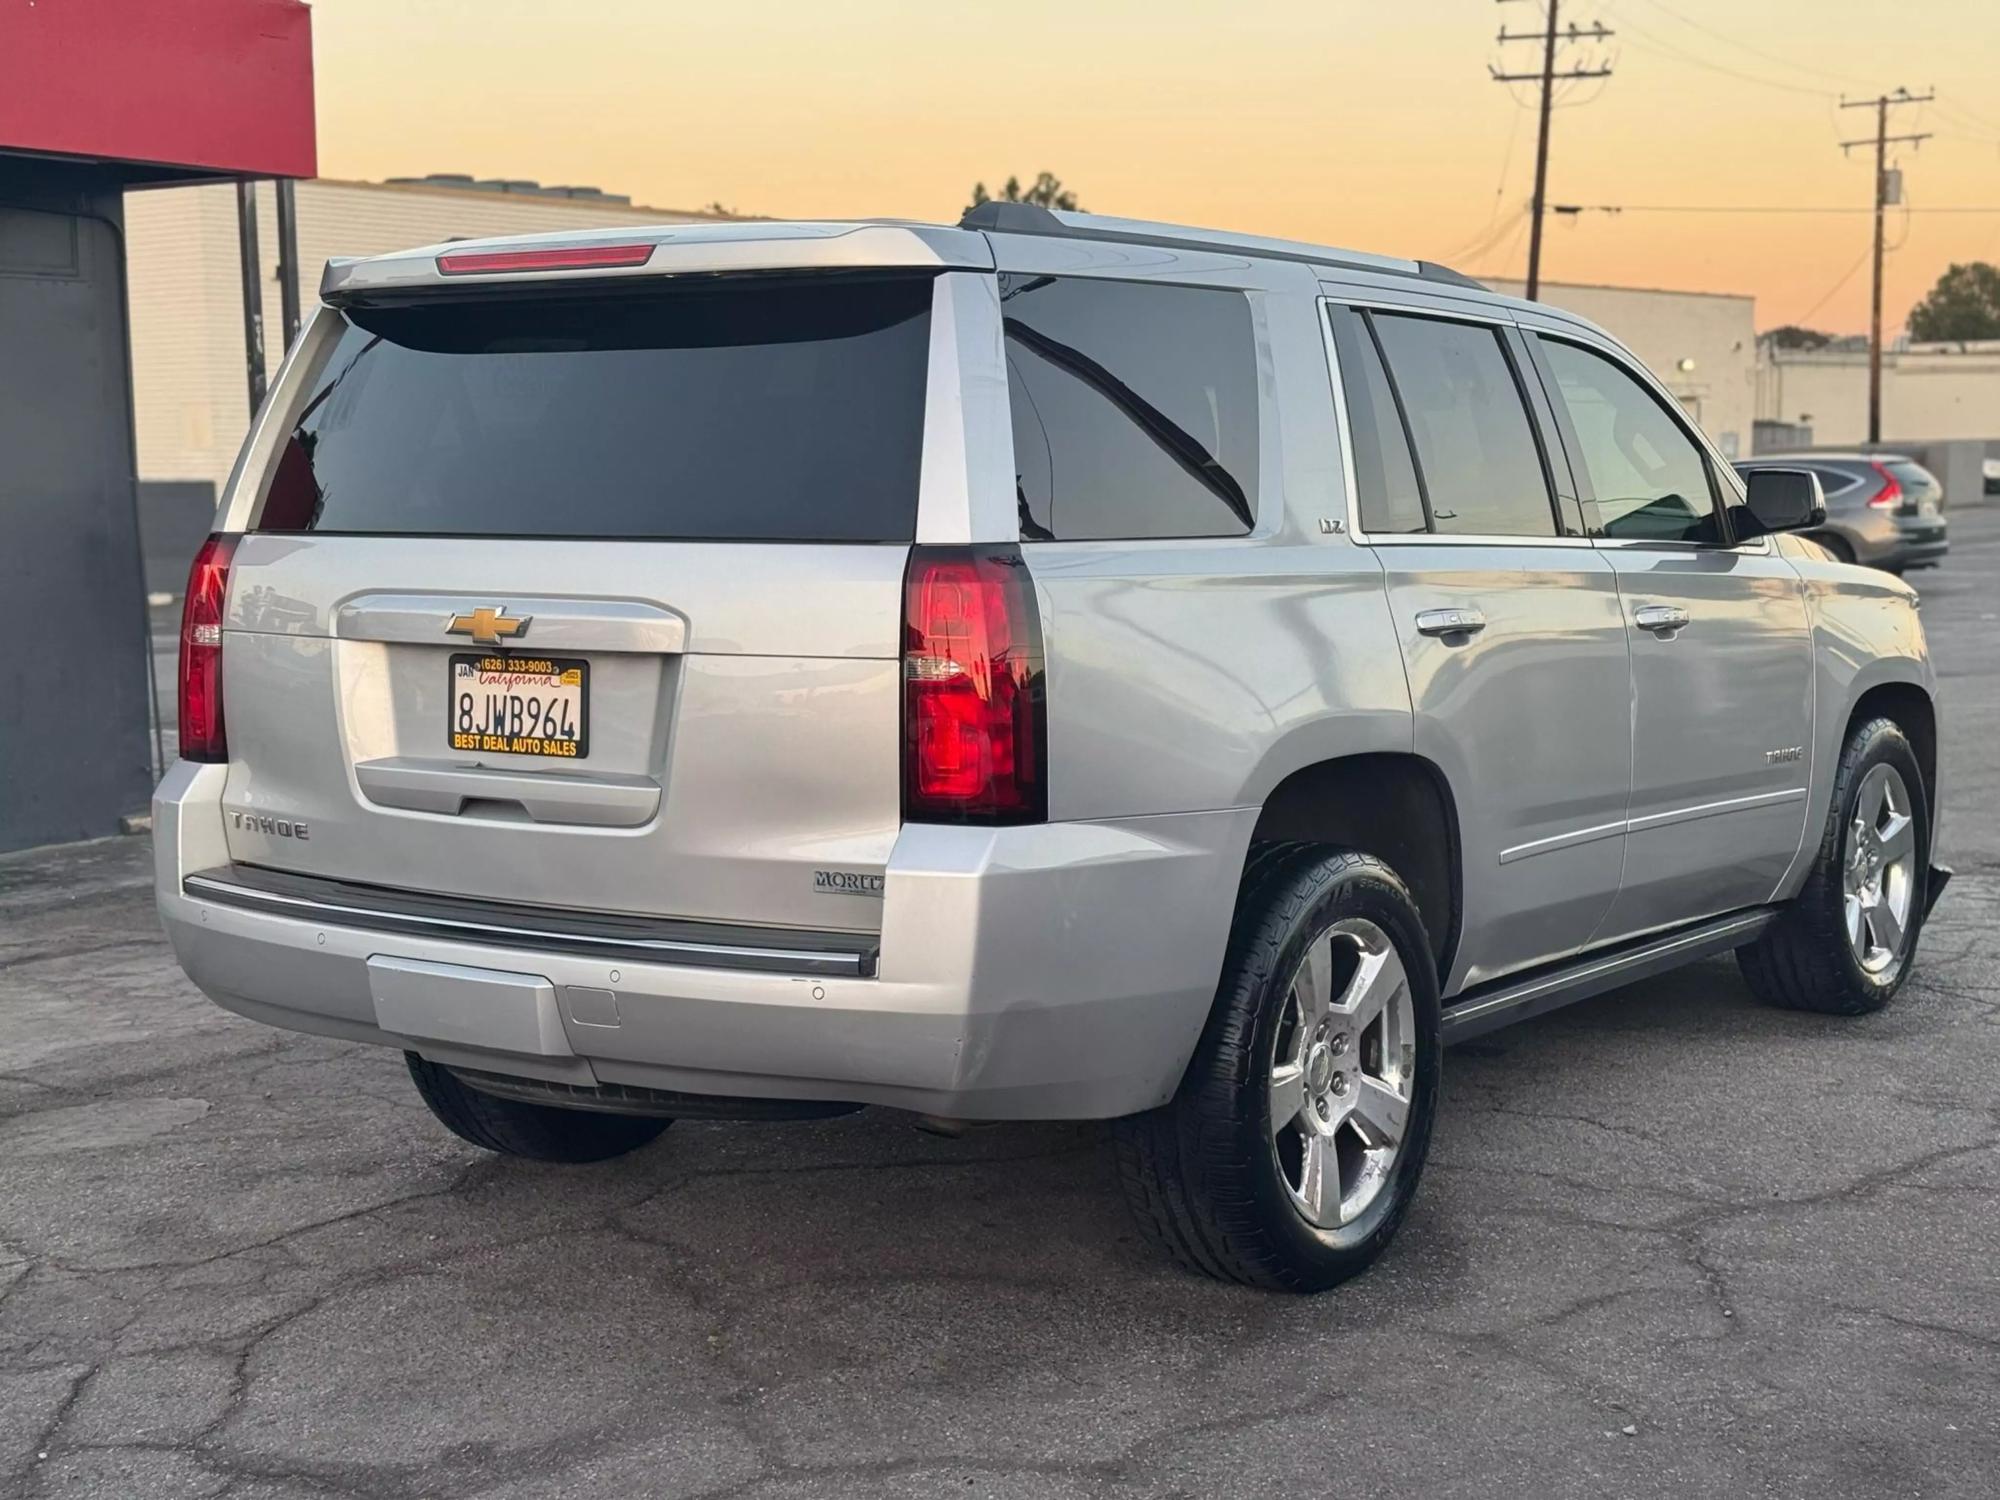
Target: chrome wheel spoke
1885 927
1314 986
1378 979
1319 1179
1873 800
1898 838
1380 1113
1288 1095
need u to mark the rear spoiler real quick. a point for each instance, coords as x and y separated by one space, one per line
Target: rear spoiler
675 250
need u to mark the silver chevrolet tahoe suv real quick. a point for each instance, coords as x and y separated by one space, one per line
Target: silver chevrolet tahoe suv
1047 667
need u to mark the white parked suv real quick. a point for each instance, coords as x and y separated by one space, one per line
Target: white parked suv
1049 667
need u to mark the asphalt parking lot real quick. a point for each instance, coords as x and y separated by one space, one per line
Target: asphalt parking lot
1669 1243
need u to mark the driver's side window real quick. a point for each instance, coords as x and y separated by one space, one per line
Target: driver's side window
1650 479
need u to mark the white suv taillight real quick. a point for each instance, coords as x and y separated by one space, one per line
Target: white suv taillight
202 736
975 742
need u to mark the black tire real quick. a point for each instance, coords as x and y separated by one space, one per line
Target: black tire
1201 1173
1838 545
514 1127
1804 961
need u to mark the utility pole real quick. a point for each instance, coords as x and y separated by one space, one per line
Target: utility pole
1881 104
1548 77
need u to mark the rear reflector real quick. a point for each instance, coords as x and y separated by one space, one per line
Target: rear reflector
975 740
577 258
1892 490
202 736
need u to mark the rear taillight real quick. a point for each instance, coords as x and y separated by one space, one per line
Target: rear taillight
202 737
975 745
1892 490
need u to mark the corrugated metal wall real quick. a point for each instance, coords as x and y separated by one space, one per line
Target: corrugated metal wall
188 381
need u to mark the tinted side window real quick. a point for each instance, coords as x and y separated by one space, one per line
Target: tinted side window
1384 473
1475 451
1650 479
1134 408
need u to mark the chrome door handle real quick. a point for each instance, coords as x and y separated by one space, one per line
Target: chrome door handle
1450 622
1661 619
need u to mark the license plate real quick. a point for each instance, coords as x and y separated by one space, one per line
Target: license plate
520 705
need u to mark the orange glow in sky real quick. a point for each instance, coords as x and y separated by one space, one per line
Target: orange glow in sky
1347 121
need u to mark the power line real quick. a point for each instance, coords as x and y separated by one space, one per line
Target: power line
1653 41
1828 295
1499 189
1758 52
1551 34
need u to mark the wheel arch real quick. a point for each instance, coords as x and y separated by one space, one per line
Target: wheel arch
1911 706
1395 805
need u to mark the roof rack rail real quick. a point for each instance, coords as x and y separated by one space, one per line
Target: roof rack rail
1031 218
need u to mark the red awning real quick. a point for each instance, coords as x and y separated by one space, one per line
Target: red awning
219 88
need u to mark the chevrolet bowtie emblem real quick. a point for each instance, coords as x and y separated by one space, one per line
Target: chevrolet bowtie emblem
489 627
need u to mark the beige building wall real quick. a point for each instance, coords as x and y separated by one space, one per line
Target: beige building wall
1927 395
1702 346
190 390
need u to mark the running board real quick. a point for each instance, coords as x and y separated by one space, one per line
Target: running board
1518 997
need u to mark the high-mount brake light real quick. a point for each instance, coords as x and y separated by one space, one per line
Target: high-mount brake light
575 258
1891 495
202 735
975 741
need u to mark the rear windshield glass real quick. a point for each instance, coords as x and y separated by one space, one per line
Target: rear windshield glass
765 410
1911 476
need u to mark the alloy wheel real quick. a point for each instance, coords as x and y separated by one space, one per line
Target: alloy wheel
1342 1072
1878 871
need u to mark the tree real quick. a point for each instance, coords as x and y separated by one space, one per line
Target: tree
1964 305
1792 336
1047 192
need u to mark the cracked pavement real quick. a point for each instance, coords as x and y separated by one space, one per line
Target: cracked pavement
1669 1243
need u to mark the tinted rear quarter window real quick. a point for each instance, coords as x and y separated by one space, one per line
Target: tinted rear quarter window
763 409
1912 476
1134 408
1476 452
1385 476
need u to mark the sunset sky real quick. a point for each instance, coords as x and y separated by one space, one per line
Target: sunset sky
1369 125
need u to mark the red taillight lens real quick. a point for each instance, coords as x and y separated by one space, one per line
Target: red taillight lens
575 258
1892 490
202 737
974 740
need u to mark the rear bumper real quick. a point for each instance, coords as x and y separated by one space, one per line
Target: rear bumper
1057 971
1925 538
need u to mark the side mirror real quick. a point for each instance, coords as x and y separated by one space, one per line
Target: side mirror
1783 500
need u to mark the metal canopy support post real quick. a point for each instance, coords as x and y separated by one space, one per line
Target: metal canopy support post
253 290
288 259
